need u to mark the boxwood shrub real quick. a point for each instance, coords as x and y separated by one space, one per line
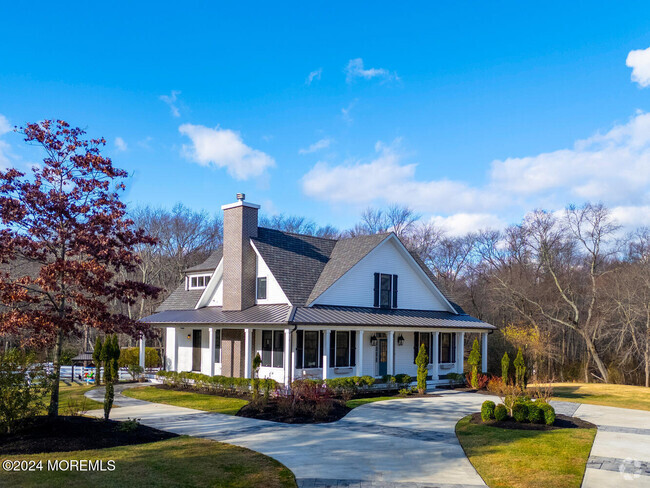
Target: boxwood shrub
487 410
520 412
549 413
535 413
500 412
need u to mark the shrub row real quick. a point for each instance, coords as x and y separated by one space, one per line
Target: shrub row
537 412
215 383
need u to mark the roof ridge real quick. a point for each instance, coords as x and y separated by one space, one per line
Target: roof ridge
296 234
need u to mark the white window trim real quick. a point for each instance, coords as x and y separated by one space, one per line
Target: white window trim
206 280
318 348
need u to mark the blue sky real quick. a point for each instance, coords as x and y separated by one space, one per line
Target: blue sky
470 112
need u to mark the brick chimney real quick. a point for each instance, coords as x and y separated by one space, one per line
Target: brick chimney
239 263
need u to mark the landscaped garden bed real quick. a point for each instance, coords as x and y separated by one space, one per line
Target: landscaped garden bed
61 434
561 422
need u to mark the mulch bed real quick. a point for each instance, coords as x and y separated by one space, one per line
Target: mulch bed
43 434
561 422
272 411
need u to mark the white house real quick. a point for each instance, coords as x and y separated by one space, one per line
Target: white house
311 307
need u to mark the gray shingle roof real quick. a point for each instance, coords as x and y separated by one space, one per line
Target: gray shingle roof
320 316
209 264
295 260
346 254
181 299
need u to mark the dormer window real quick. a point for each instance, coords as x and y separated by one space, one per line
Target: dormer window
197 282
385 290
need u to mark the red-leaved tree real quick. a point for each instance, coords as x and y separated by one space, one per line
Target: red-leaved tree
64 239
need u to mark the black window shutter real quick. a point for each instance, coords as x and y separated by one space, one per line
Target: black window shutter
416 345
299 337
322 343
332 348
377 290
394 291
452 346
353 348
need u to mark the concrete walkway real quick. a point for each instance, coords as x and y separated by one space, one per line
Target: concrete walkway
397 443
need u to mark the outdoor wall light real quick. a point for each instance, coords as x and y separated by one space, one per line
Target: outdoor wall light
189 337
373 340
400 340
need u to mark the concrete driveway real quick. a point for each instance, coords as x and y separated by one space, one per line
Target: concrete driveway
397 443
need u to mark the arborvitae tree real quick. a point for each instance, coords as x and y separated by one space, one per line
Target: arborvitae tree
257 362
474 360
111 355
505 367
97 359
520 369
422 361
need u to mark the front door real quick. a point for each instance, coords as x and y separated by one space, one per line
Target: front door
382 356
196 350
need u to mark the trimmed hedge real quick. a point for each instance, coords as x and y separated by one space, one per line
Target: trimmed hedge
500 412
549 413
520 412
487 410
535 413
215 383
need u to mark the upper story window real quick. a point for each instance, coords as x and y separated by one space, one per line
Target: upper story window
261 288
385 290
197 282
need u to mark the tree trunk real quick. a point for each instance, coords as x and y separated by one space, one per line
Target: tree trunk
647 362
53 410
591 349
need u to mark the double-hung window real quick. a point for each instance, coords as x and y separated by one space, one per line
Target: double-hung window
446 349
273 348
343 348
309 349
419 339
261 288
385 290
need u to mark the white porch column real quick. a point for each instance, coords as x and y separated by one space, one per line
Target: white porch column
247 353
211 346
360 353
287 357
484 351
171 346
434 355
326 353
460 352
142 351
390 370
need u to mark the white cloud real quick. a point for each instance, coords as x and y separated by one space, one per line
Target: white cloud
631 217
170 100
612 167
639 61
314 75
345 111
355 69
316 146
120 144
224 148
462 223
4 125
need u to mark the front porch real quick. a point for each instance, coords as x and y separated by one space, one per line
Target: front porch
291 353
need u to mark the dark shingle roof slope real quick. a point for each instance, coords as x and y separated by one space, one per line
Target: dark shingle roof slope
346 254
181 299
295 260
209 264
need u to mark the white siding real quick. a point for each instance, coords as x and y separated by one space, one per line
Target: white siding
356 287
184 349
217 297
404 355
274 293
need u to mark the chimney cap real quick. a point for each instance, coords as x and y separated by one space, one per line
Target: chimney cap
241 196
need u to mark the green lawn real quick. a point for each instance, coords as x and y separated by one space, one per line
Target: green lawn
624 396
72 399
526 458
357 402
178 462
188 399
